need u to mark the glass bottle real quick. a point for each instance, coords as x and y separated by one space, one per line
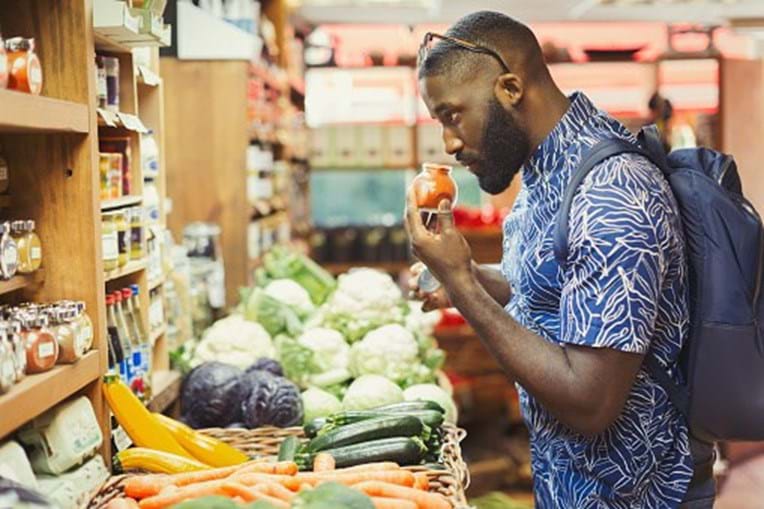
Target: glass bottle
110 247
137 250
115 343
141 352
28 246
127 343
123 238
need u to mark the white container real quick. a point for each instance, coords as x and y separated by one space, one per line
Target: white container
63 437
14 464
149 156
73 488
151 203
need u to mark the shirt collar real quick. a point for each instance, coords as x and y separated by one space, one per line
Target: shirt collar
581 109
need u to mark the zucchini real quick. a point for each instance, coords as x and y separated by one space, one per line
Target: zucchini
404 451
408 406
369 429
312 428
431 418
288 448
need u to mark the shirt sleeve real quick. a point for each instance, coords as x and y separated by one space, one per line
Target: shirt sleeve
618 239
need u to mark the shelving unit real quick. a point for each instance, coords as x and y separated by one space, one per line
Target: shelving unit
51 144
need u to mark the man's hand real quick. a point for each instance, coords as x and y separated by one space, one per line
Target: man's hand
446 252
432 300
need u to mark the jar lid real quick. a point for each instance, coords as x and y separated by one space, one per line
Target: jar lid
42 320
30 225
18 226
19 44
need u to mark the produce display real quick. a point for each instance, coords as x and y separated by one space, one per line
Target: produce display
311 346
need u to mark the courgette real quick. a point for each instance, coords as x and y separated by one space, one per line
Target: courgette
431 418
408 406
369 429
404 451
288 448
312 428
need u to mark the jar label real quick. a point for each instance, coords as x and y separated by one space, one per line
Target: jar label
36 253
35 76
110 247
10 258
46 349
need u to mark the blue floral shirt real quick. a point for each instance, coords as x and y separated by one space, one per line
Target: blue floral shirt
624 287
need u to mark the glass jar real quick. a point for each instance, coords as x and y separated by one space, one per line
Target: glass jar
19 351
28 245
41 345
65 331
109 243
85 325
3 64
115 175
123 237
104 174
137 251
433 185
24 69
7 363
9 257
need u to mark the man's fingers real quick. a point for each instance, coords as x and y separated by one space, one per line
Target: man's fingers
414 223
445 215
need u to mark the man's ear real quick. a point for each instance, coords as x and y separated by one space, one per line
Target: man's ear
509 90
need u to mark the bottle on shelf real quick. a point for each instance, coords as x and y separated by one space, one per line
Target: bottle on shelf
123 337
132 352
149 156
141 350
116 357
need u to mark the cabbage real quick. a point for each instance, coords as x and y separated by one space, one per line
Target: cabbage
431 392
318 403
265 364
234 340
272 400
371 391
210 395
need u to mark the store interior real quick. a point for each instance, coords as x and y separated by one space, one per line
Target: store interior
187 188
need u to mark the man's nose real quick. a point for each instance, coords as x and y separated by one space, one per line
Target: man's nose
453 143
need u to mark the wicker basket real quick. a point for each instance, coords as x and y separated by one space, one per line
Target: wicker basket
451 481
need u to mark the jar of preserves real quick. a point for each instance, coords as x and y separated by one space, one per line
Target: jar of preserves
432 185
41 345
24 69
9 258
109 244
66 332
28 246
123 237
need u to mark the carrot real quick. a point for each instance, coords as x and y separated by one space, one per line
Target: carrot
392 503
276 490
324 462
287 481
198 490
251 494
279 468
424 500
400 477
122 503
371 467
142 486
421 481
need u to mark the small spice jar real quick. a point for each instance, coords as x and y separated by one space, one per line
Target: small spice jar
137 251
24 69
109 244
28 246
84 325
40 343
7 363
66 332
123 237
19 351
9 258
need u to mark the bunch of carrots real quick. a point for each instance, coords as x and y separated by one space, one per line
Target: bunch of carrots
278 483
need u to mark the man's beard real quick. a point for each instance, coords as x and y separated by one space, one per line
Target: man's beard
505 148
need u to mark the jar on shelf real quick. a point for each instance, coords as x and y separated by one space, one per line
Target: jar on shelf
111 67
101 88
9 256
3 64
24 69
5 176
123 237
28 245
7 362
19 350
41 345
116 189
109 243
137 234
104 174
84 325
63 328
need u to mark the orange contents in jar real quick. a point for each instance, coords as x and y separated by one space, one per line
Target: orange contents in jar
433 185
24 69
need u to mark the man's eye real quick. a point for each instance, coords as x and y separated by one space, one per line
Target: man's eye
453 118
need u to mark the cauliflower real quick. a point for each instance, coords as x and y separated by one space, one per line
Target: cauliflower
390 351
234 340
330 351
291 293
365 299
420 322
319 357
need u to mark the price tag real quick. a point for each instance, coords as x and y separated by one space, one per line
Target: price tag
108 117
150 78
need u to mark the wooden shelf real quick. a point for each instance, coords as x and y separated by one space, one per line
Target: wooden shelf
23 113
21 281
37 393
118 203
166 389
153 285
393 267
5 201
156 334
130 268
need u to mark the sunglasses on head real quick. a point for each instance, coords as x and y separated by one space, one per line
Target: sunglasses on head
429 37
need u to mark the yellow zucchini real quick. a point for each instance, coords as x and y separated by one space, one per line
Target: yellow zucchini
211 451
160 462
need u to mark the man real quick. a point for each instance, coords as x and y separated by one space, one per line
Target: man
603 433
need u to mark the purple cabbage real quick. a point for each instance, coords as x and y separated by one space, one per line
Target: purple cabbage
272 401
211 395
266 364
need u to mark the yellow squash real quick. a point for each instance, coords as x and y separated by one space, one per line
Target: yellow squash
160 462
136 419
205 448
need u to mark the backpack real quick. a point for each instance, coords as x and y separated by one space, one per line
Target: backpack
722 360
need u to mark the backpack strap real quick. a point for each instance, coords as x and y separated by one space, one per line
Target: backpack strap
599 153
